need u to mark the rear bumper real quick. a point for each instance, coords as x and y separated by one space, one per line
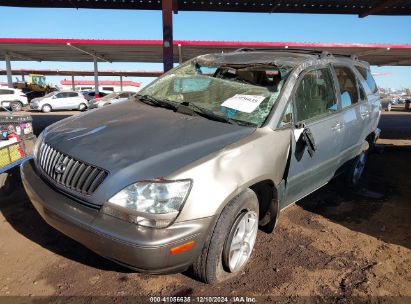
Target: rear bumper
140 248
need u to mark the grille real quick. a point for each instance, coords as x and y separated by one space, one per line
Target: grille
77 176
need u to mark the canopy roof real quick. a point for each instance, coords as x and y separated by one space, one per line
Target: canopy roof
81 50
359 7
62 72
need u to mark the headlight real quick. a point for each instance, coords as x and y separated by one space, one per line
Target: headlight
37 145
152 204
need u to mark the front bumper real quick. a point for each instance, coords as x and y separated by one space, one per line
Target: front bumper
34 106
140 248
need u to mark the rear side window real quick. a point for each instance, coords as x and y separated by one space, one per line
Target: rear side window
348 86
72 94
6 92
315 95
366 73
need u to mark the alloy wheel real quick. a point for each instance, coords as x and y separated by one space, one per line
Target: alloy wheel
240 242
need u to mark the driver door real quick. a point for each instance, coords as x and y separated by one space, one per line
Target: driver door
316 115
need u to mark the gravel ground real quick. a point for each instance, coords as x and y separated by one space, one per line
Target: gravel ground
334 245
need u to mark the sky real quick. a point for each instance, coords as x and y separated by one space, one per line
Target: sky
127 24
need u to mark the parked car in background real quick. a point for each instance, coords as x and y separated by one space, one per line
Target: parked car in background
186 172
112 98
63 100
387 103
13 99
89 95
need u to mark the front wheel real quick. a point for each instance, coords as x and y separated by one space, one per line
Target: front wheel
46 108
230 246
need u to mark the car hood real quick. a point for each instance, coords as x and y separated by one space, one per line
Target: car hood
138 141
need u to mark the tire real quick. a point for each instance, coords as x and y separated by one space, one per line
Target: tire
46 108
82 107
16 106
356 170
217 261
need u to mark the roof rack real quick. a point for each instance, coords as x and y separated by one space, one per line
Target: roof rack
319 53
276 49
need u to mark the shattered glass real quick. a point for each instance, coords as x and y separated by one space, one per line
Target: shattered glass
208 83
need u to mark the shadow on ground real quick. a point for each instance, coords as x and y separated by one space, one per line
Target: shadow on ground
380 207
21 215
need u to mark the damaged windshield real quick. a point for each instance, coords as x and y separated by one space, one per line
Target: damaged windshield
241 94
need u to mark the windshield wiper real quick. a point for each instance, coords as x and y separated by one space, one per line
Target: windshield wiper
152 101
208 113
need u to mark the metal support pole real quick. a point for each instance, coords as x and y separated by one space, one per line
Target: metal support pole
73 86
96 76
180 54
8 68
23 78
121 82
168 60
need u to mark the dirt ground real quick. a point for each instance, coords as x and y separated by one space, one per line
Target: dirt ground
333 246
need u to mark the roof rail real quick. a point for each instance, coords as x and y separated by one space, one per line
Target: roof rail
282 49
319 53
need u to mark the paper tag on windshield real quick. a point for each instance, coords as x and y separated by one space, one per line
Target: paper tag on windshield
243 103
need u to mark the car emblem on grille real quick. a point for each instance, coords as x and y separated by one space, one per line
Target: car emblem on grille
60 168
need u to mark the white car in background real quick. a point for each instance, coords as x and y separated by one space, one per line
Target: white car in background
14 99
60 100
112 98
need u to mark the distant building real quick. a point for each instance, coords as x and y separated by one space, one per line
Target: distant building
104 85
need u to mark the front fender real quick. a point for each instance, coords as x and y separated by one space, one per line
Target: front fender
222 175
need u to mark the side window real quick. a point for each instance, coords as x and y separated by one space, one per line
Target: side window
6 92
366 73
348 86
288 115
60 95
315 95
72 94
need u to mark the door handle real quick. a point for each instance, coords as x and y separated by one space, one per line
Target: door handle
365 114
337 127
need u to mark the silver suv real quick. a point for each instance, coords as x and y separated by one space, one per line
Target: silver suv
185 174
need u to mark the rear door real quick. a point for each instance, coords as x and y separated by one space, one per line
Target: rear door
73 100
373 98
355 111
59 101
317 111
